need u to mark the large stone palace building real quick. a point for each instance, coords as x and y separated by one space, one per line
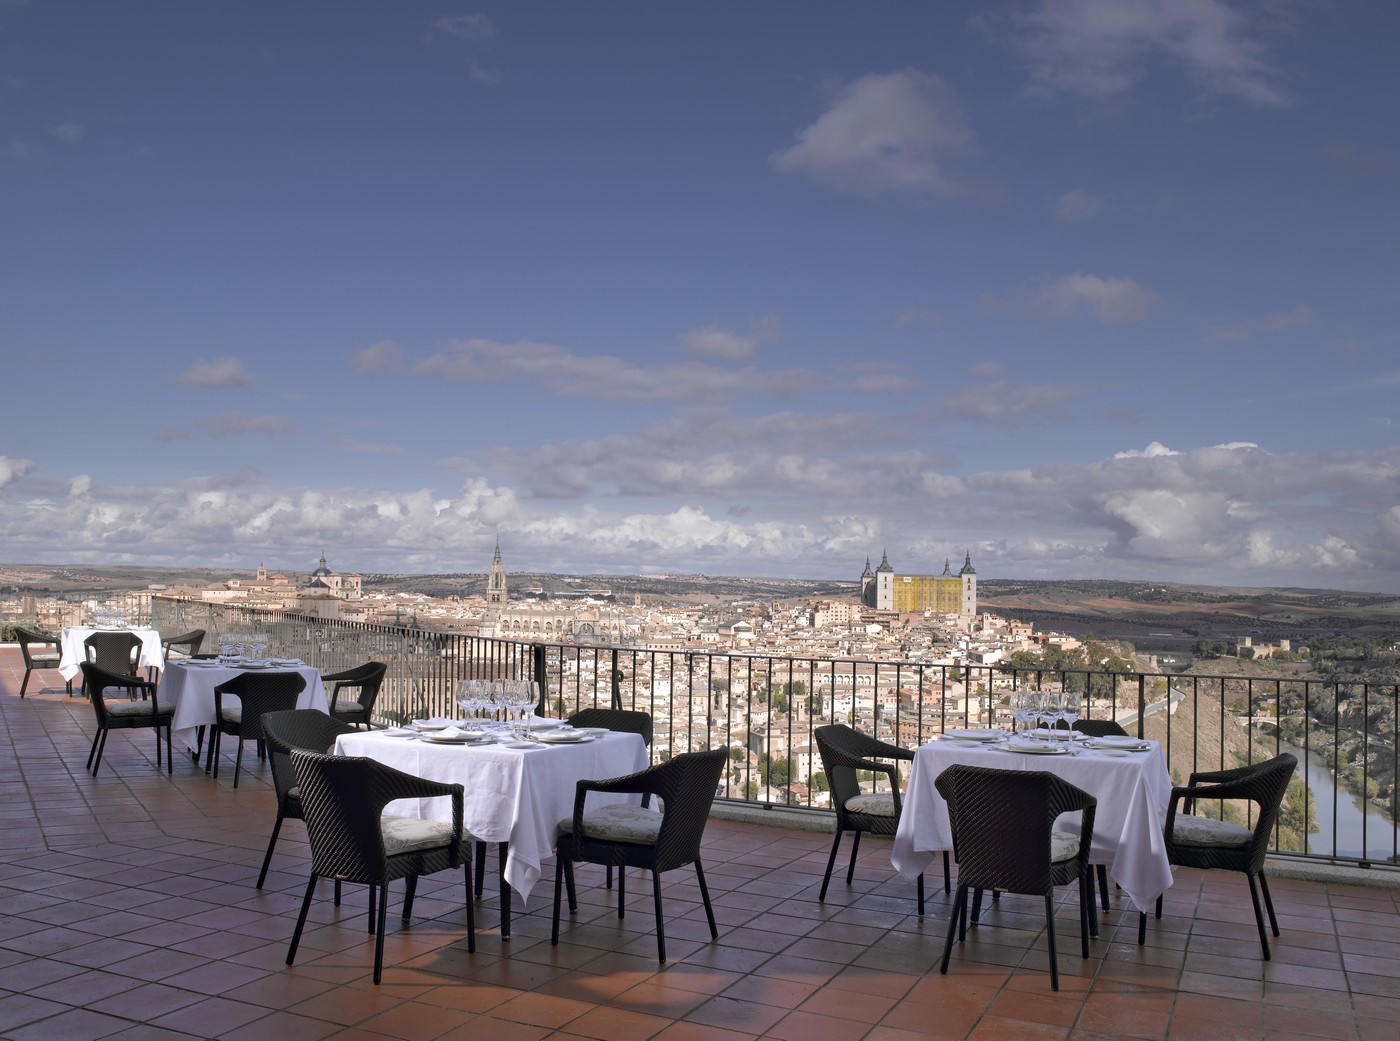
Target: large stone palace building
948 593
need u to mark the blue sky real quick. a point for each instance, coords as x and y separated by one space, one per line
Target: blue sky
1086 288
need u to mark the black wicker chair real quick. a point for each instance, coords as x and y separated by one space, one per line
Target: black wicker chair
257 694
364 682
1099 728
843 751
353 840
1003 835
188 644
130 713
637 836
37 659
116 652
305 729
1208 842
622 720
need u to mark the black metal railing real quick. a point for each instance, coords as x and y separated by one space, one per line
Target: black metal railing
765 707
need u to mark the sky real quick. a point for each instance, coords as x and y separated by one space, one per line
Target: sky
1080 288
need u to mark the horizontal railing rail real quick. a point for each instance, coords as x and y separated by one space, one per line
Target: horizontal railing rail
765 708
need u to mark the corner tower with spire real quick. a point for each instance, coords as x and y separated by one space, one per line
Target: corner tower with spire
496 580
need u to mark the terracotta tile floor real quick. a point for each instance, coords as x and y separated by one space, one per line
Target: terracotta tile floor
127 911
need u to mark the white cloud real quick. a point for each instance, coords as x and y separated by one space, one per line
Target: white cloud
883 132
13 469
607 376
1276 322
473 27
1077 204
1009 405
72 132
219 374
715 342
383 356
1102 48
1105 299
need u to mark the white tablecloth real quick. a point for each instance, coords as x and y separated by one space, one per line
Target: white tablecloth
191 688
1132 791
511 795
72 654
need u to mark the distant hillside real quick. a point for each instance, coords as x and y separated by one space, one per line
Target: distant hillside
1167 614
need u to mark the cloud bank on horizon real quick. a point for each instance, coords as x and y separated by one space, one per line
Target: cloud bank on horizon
1086 288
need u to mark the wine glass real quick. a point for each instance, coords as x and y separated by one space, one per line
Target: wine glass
1070 706
469 699
1054 712
1021 710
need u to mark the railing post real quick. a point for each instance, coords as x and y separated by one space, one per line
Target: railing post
616 682
537 666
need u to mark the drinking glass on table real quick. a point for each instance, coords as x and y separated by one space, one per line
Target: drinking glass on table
1020 710
1070 706
1054 712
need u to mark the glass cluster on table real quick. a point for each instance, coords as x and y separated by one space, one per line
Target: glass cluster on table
511 701
1039 713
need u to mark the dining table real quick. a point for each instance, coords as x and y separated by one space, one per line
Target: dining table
1129 779
189 685
72 652
515 792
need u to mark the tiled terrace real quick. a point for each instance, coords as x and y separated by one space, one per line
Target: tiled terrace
129 912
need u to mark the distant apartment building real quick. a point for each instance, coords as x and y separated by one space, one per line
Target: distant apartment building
947 594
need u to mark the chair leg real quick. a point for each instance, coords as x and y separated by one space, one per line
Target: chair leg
1142 928
379 939
480 868
830 864
471 908
237 762
855 849
954 918
24 682
569 884
503 887
1103 885
921 895
301 918
101 747
373 896
1268 902
169 751
1086 910
705 899
947 873
621 894
267 858
410 891
337 892
1259 917
1050 940
561 866
660 924
93 750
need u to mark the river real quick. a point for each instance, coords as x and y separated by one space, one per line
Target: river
1344 812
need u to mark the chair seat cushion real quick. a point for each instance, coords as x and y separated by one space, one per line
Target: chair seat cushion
125 707
346 708
407 834
232 712
873 805
1189 830
1064 845
635 824
44 661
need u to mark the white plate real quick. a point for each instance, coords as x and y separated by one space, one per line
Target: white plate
517 744
1115 752
455 739
542 724
1036 750
592 731
564 737
975 735
1117 741
431 724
